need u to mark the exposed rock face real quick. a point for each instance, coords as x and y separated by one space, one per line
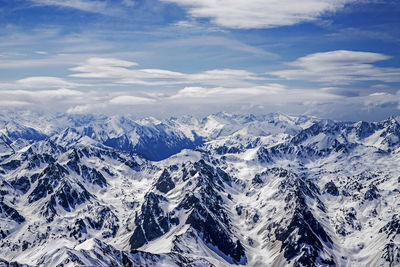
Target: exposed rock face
11 213
165 183
331 188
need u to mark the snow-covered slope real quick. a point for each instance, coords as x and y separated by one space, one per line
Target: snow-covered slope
225 190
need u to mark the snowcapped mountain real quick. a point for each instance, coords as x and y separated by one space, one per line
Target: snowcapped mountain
224 190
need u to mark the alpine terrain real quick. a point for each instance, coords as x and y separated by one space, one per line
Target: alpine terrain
224 190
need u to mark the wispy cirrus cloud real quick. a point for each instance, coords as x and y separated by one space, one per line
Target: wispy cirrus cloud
385 34
92 6
260 14
215 41
128 3
340 67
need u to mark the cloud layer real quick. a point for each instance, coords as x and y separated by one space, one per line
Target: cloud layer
121 73
203 100
112 85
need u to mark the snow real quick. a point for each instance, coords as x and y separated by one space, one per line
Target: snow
164 243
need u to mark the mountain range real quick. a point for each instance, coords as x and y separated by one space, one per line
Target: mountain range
224 190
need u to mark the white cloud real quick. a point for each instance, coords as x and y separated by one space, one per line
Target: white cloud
41 52
59 93
40 82
13 103
75 101
110 68
58 100
57 60
228 93
101 7
45 82
43 94
79 109
378 94
260 13
130 100
129 3
381 100
85 108
340 67
110 62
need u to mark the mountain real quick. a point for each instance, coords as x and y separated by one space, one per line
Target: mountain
224 190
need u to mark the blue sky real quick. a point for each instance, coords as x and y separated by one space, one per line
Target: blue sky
335 59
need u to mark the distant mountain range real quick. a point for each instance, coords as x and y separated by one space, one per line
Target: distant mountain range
224 190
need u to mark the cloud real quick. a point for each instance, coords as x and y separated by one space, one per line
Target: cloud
100 7
110 68
86 108
275 94
110 62
188 100
382 100
57 99
382 33
216 41
41 52
59 93
198 100
130 100
41 82
13 103
52 100
228 93
260 14
342 91
57 60
45 82
193 25
378 94
340 67
129 3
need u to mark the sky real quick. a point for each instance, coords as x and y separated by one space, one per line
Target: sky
337 59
